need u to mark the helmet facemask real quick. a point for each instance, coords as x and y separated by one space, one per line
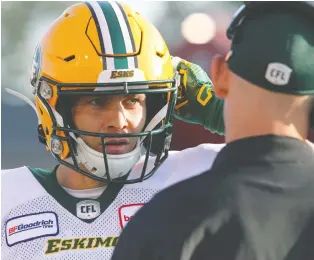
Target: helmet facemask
153 140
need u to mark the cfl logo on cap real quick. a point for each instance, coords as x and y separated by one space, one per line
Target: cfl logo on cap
278 73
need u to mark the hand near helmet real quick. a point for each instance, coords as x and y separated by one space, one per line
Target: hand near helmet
197 103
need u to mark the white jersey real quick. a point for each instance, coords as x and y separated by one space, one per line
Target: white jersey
37 224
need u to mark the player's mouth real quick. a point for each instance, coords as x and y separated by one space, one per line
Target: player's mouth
116 146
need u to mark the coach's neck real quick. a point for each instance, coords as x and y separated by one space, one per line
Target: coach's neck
252 111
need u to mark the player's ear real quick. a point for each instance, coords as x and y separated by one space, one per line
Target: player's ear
219 76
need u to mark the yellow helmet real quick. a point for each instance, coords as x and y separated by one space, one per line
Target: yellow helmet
103 48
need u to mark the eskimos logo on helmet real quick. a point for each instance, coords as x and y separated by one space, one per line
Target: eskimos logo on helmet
121 74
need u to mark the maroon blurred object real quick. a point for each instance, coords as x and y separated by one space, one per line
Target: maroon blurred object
187 135
202 54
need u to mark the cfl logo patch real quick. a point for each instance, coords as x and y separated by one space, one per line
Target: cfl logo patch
278 73
121 74
88 209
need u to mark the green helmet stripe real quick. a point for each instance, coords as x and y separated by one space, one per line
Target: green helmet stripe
117 40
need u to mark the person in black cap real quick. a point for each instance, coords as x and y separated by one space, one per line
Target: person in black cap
257 201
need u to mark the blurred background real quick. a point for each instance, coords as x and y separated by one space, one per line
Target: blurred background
194 31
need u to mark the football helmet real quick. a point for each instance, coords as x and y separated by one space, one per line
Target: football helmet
97 48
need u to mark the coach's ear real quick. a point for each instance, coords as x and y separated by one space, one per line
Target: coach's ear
219 76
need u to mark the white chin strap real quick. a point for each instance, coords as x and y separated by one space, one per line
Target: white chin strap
118 164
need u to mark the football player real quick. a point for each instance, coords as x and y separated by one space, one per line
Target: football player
105 93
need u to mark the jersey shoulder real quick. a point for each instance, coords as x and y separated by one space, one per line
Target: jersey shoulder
18 186
203 150
194 161
180 165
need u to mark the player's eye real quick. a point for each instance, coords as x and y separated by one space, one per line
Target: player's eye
131 102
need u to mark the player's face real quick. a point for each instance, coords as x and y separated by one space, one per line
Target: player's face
110 114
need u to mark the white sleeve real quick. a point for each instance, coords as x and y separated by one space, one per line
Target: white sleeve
194 161
18 186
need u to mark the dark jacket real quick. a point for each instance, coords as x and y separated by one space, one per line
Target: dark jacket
256 203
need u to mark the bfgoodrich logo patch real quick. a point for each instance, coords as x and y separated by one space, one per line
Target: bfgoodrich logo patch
28 227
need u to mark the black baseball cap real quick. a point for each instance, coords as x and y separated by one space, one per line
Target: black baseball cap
273 46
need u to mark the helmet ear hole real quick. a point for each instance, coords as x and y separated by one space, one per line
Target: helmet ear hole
159 54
